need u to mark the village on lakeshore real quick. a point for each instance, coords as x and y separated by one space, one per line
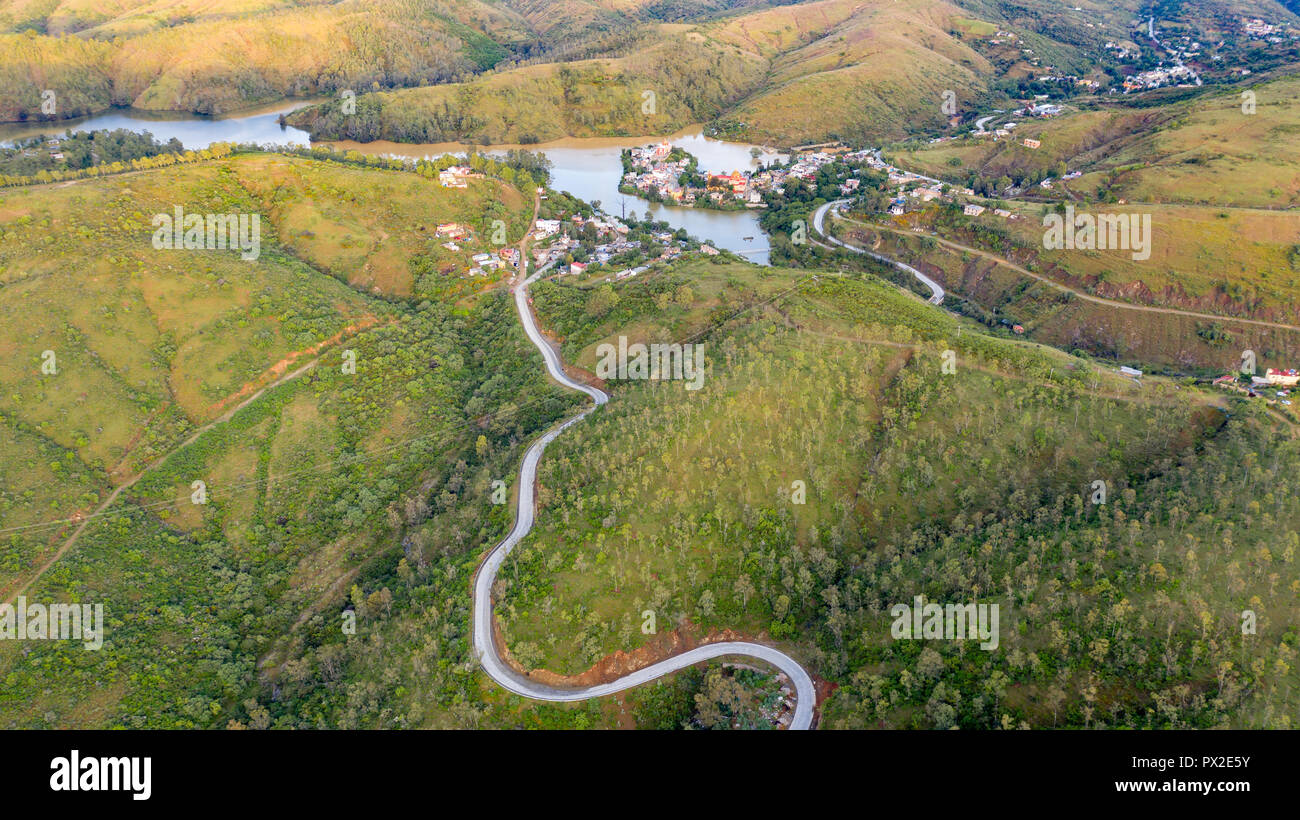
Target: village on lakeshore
664 173
572 242
580 241
658 167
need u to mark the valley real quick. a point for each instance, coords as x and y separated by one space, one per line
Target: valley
976 305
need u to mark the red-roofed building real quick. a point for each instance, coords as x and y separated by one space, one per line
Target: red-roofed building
1284 377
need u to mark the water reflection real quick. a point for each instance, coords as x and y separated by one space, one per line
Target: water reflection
256 125
590 169
587 168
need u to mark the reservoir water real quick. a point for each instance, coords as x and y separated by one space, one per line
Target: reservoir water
587 168
259 125
590 168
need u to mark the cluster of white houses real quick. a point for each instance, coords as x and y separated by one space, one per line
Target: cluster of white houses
457 176
611 237
653 169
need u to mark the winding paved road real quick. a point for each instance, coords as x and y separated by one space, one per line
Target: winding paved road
485 647
819 217
1078 294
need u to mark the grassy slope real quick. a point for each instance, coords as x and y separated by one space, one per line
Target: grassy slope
693 79
1219 185
208 60
1230 261
321 484
834 69
790 74
313 502
265 540
150 344
315 485
1201 151
902 464
369 234
1224 263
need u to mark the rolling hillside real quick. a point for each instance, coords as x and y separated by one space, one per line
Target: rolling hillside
757 75
692 79
289 476
829 468
1217 282
834 70
158 344
791 73
205 57
1204 151
162 357
210 58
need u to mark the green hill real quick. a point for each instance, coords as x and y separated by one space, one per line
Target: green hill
789 74
974 486
160 359
197 60
1206 150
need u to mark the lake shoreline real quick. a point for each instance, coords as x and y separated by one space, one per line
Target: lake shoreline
586 167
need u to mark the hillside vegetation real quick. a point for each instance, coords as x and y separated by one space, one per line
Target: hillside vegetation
365 488
1206 150
279 474
795 73
674 83
210 59
834 70
975 486
1228 265
151 345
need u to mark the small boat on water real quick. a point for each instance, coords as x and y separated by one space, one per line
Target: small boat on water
748 238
